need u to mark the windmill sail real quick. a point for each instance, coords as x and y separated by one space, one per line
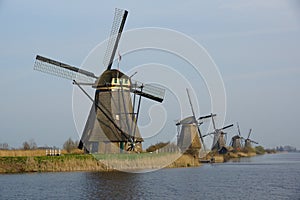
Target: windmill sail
115 35
199 132
62 70
149 91
228 126
207 116
238 127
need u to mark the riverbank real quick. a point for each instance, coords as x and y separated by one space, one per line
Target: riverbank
21 161
278 173
220 158
215 157
100 162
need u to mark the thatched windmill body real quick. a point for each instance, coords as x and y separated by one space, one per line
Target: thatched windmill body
111 126
248 141
236 142
219 141
188 139
190 135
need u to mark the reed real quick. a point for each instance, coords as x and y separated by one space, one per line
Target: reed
35 152
100 162
146 161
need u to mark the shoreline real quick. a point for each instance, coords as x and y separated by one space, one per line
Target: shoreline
88 162
222 158
37 162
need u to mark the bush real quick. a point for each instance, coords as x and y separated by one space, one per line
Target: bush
259 150
270 150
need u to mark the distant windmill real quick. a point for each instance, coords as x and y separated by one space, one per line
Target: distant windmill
190 135
236 143
219 142
248 141
111 126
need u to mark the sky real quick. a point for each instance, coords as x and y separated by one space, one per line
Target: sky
254 44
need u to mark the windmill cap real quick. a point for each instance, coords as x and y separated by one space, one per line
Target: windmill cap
188 120
107 77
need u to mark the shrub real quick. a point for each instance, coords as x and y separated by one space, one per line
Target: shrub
259 150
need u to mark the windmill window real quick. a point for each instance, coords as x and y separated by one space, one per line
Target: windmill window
126 81
115 80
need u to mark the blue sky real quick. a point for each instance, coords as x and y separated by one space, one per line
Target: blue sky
255 45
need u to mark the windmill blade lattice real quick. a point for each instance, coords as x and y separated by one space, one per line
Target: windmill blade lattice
115 35
249 133
238 127
207 116
112 120
199 131
149 91
225 127
62 70
253 142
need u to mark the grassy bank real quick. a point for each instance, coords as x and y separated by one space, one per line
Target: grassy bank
35 152
49 164
100 162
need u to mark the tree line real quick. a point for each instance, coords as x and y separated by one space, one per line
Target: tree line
68 145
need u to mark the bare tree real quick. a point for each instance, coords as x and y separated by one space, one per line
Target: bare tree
32 144
70 145
26 145
4 146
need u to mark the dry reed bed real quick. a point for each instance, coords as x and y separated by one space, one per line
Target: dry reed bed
123 162
156 161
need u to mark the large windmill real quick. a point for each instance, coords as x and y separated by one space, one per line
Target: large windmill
248 141
219 142
236 143
190 137
111 126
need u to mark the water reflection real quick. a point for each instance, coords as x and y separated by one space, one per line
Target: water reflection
112 184
263 177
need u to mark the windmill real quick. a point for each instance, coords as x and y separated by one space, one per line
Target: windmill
248 141
190 135
219 142
111 126
236 140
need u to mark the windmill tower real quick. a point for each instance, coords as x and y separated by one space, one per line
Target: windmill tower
236 140
219 142
111 126
190 134
248 141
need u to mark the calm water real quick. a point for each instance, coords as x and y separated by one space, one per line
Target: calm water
263 177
